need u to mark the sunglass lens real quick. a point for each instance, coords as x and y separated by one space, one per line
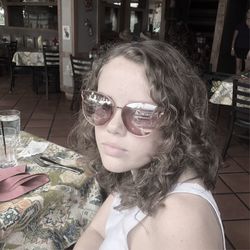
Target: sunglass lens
97 108
140 119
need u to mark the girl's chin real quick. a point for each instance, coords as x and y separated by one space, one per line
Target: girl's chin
115 166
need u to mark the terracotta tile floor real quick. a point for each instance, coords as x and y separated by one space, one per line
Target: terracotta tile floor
53 119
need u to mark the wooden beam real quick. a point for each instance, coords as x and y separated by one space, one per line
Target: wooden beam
163 21
218 32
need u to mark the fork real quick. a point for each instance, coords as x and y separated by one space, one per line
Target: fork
41 163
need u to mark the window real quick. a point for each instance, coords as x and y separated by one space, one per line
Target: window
154 16
43 17
2 17
111 19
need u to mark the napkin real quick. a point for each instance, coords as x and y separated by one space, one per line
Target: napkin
33 148
15 181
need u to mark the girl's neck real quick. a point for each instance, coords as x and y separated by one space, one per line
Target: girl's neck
189 175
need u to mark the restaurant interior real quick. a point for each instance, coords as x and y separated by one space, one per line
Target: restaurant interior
47 46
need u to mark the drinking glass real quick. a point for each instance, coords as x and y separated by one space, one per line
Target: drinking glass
8 143
10 118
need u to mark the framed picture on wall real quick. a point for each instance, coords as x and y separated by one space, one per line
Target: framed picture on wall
88 4
66 32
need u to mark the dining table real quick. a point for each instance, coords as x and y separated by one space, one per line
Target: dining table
28 58
54 215
223 90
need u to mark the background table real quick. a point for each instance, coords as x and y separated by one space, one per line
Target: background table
223 90
28 58
54 215
223 93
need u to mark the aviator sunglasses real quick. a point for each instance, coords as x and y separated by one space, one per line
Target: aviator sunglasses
139 118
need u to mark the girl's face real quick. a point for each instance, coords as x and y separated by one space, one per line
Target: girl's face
125 82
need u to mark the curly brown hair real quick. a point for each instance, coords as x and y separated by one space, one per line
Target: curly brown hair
187 135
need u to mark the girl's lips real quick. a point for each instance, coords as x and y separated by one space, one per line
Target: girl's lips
113 150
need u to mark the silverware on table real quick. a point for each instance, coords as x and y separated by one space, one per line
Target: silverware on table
44 162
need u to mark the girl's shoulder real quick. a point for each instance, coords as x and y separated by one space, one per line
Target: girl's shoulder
182 202
186 221
188 203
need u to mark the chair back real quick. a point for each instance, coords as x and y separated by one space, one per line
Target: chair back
80 67
241 103
12 48
240 116
51 57
51 63
7 55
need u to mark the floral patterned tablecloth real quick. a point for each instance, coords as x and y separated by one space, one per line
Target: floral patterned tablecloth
28 58
222 93
223 90
54 215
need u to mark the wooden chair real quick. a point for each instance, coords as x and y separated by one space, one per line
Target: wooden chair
240 115
14 69
12 48
51 63
4 57
80 67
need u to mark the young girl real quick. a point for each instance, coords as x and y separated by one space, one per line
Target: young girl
144 128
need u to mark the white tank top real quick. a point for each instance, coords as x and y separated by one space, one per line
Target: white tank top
120 223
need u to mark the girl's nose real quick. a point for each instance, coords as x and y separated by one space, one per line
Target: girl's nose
116 125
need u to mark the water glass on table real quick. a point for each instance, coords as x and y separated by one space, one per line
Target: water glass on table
9 136
8 143
10 118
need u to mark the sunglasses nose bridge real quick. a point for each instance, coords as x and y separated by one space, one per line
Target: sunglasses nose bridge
116 125
115 110
121 114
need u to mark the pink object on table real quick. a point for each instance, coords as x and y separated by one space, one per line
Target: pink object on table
5 173
14 182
